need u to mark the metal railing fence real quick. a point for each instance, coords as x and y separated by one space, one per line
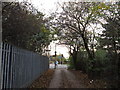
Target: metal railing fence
20 67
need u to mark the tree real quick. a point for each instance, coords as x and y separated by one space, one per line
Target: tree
110 37
24 26
73 23
111 34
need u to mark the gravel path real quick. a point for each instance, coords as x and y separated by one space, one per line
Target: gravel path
63 78
56 81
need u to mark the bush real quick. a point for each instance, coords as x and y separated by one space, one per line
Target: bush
100 63
93 67
82 59
71 64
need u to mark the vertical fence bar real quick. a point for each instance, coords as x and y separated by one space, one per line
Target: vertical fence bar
4 72
1 65
1 81
11 67
6 65
20 67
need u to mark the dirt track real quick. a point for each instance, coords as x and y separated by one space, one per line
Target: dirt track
63 78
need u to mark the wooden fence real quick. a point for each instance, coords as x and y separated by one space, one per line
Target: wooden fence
20 67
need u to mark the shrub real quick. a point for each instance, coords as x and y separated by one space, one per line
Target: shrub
71 64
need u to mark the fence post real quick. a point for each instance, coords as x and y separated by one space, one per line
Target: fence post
0 65
9 73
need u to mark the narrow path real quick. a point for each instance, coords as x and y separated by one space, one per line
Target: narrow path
63 78
71 80
56 81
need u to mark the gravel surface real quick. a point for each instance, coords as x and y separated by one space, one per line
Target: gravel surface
57 79
70 80
63 78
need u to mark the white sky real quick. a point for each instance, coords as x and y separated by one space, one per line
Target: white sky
60 49
46 6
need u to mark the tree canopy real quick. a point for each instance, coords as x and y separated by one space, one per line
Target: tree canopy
24 26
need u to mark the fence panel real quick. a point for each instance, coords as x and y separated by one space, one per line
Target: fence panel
20 67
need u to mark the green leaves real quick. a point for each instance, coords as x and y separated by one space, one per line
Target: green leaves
25 27
98 8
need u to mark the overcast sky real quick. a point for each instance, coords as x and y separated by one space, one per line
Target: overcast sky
48 6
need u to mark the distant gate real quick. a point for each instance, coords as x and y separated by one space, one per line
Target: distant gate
20 67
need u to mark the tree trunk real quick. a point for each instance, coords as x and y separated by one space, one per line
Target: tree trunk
86 47
74 57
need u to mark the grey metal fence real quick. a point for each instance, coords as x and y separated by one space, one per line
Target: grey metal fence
20 67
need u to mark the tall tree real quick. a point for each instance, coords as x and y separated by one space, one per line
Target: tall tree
23 24
111 34
73 23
